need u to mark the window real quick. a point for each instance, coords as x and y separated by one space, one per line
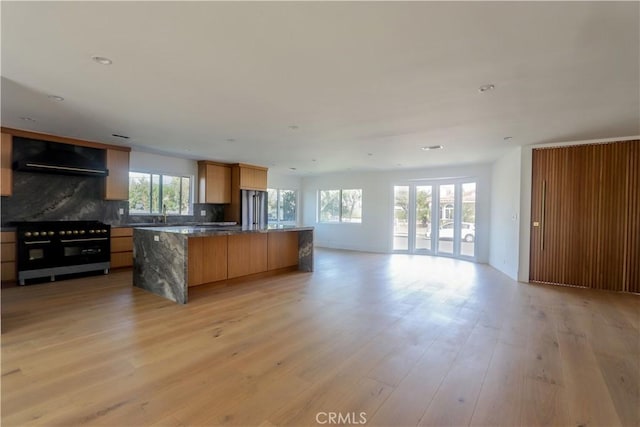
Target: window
282 205
149 193
340 206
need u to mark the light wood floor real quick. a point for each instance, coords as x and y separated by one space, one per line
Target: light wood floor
404 340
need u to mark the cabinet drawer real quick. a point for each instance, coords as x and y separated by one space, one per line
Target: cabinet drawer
8 252
8 273
122 259
7 236
122 232
121 244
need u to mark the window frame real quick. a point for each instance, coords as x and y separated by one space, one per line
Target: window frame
340 220
279 191
161 176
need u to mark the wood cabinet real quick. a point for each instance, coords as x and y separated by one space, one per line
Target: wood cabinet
214 182
282 249
117 182
8 256
585 212
252 177
247 254
206 259
243 177
6 172
121 247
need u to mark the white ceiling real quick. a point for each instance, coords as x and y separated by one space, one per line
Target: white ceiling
367 84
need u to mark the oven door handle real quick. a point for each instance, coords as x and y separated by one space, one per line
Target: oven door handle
83 240
37 242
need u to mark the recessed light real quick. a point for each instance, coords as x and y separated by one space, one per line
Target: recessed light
486 88
120 136
294 127
56 98
27 119
508 138
102 60
433 147
293 169
230 140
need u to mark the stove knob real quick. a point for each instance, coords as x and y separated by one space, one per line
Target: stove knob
92 231
62 233
104 231
27 234
69 232
75 231
35 233
82 231
51 233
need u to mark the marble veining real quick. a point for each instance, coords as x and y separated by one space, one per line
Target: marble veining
161 266
52 197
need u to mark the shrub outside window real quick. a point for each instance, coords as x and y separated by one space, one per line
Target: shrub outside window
282 206
340 206
151 193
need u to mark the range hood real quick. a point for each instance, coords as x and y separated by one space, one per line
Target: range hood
57 158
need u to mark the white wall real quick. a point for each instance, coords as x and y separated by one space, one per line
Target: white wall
147 162
374 234
283 181
505 213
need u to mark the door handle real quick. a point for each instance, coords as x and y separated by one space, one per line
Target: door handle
542 214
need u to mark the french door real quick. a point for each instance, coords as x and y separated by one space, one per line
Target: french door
436 218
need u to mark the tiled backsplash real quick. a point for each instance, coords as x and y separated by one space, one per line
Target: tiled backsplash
47 197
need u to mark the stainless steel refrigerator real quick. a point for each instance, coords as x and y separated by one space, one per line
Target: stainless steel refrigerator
254 208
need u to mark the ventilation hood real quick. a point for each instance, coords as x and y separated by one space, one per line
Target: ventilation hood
56 158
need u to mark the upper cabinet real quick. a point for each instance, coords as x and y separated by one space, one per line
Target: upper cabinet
214 182
252 177
6 174
117 182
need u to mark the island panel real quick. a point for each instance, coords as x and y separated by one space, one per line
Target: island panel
247 254
283 250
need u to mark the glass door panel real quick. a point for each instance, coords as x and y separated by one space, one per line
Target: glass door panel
446 230
400 218
468 226
424 203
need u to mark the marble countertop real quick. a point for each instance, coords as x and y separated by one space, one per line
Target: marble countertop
217 230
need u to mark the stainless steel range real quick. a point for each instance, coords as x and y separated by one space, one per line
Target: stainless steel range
55 248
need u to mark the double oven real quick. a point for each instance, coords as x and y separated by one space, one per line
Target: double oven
54 248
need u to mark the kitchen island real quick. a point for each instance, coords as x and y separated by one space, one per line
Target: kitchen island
169 260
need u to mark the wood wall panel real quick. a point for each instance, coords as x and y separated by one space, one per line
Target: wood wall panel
586 235
632 244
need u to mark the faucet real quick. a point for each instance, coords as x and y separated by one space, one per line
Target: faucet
164 213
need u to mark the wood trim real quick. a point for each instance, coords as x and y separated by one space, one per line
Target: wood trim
61 139
245 165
